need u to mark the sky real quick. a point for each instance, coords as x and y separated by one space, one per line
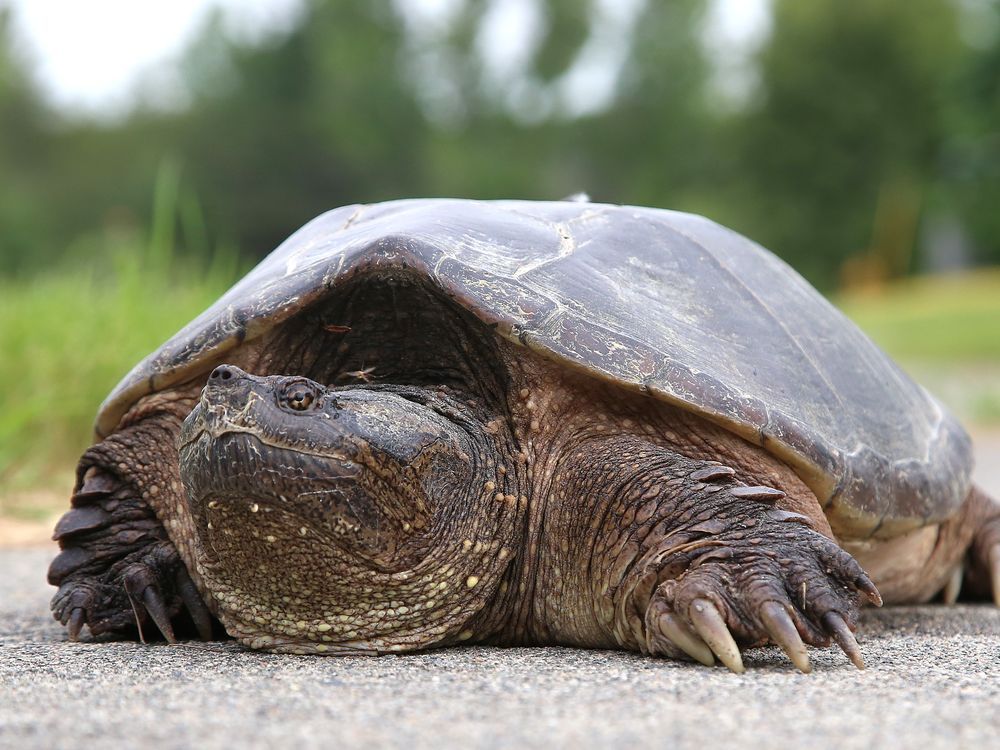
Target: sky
90 56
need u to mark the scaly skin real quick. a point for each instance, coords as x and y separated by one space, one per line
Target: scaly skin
120 566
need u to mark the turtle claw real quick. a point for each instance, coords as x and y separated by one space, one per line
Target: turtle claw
153 602
150 606
681 637
713 630
781 628
953 588
146 600
994 565
76 621
865 586
841 633
785 584
196 608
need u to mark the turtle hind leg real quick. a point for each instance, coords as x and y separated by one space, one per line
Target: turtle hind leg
956 558
982 561
118 573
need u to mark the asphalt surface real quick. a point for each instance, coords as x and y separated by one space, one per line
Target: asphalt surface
933 680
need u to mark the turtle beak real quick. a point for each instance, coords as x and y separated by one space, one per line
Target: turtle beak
227 396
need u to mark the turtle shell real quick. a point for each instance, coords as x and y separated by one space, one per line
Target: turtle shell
662 302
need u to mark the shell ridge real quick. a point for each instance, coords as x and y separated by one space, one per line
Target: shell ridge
567 245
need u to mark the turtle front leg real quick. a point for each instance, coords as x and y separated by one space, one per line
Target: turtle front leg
700 565
765 577
118 572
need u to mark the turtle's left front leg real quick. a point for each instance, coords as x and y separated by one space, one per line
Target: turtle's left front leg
688 562
118 572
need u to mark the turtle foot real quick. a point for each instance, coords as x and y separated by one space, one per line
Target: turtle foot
772 579
982 566
118 574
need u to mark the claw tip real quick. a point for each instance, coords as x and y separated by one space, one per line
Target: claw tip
75 624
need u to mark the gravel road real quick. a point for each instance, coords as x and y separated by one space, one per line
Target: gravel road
933 681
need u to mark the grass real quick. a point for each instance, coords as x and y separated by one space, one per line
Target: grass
945 331
67 337
952 318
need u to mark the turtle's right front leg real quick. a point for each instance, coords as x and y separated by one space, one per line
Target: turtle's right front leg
118 572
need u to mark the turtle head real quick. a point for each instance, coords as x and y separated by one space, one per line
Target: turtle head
324 518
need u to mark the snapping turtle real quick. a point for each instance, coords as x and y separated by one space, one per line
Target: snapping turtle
427 422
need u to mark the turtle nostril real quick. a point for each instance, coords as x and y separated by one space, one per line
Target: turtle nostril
222 372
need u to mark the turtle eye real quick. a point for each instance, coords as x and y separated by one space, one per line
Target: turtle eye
298 396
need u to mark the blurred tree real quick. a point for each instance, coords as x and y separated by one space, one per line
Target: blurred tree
656 143
972 160
838 155
644 137
860 127
279 132
23 154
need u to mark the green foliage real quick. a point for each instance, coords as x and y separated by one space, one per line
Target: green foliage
67 338
320 117
944 331
655 145
869 121
971 159
937 318
567 26
839 155
70 334
22 141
